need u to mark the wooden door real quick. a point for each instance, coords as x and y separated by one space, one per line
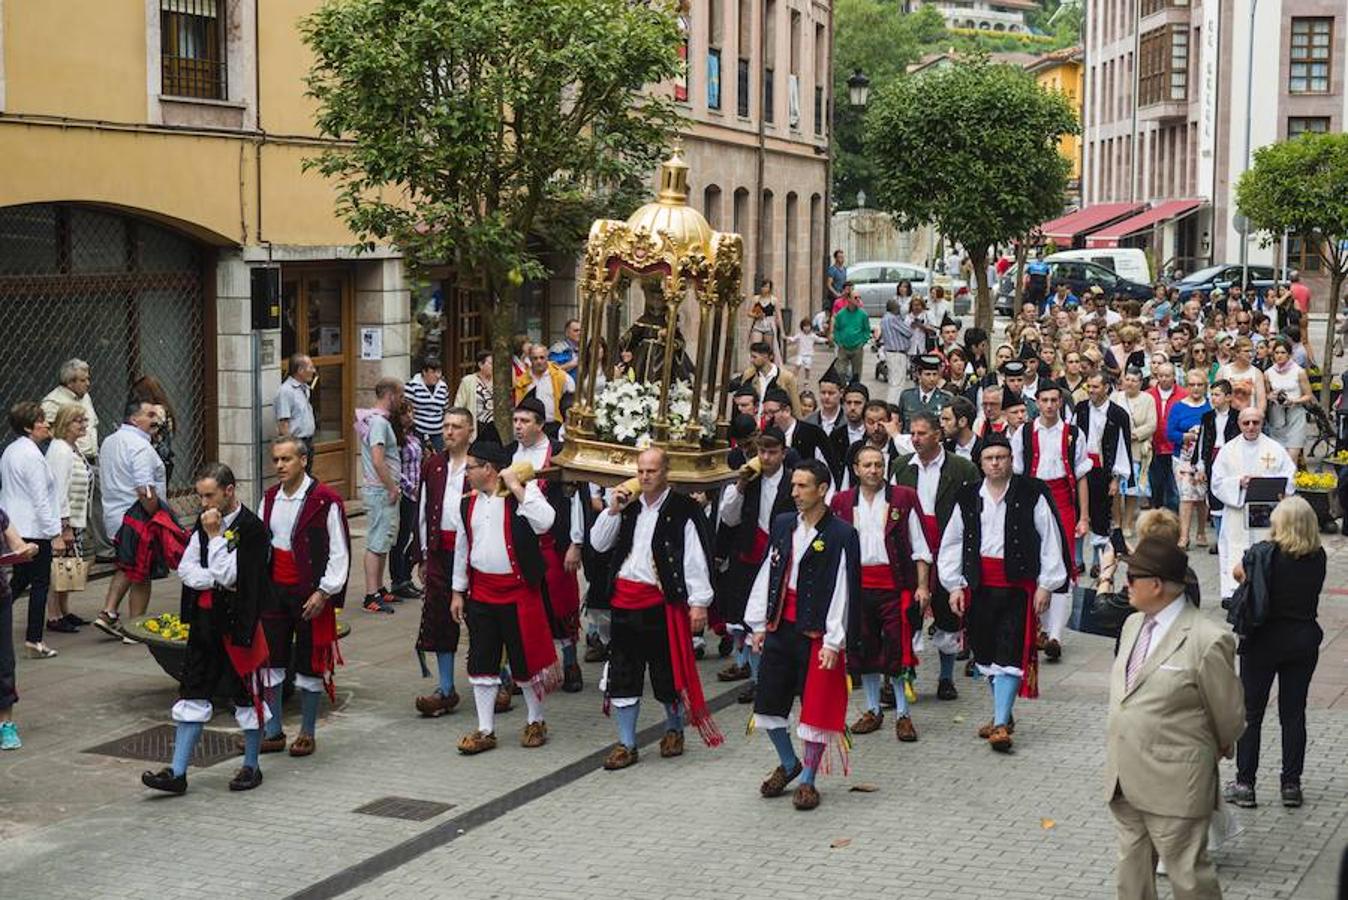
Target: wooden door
319 321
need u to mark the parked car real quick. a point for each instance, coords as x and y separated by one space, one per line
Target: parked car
1223 276
1080 277
877 281
1126 262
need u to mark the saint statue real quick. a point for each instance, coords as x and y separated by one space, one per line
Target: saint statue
645 338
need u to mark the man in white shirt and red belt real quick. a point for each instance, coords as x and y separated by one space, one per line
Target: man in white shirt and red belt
1053 450
661 588
799 611
1105 426
310 562
895 559
498 589
1000 556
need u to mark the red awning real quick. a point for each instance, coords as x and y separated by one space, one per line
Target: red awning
1064 229
1161 212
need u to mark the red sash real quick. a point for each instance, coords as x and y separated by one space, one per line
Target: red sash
629 594
1064 491
1096 461
447 540
284 569
993 574
205 599
754 555
878 577
535 633
789 606
931 530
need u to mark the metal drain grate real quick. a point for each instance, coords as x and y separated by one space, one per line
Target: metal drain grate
404 808
156 745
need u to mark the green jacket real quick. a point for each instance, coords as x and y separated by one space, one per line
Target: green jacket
851 328
956 472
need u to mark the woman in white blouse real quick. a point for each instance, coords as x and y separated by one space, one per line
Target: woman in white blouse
28 494
73 490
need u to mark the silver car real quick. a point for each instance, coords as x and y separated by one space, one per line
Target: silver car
876 282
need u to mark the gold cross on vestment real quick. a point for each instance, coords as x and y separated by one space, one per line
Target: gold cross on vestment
1268 459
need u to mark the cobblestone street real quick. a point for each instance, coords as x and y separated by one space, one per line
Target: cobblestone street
945 818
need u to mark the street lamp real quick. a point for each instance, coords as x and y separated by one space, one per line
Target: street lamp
858 88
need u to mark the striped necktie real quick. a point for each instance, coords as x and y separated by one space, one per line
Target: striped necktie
1139 654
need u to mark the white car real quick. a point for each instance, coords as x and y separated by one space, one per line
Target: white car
876 282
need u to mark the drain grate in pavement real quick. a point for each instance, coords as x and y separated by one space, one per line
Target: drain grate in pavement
156 745
404 808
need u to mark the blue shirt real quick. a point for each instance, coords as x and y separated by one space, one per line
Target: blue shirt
837 277
1183 417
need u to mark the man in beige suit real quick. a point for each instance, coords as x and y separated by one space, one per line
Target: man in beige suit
1175 708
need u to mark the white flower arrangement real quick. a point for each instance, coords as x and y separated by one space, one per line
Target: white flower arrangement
625 410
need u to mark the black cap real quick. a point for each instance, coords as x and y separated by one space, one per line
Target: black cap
747 391
1012 399
743 426
929 362
1048 384
772 433
996 439
490 452
533 405
1029 350
777 395
832 377
1012 367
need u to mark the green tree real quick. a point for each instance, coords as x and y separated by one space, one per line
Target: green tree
1301 187
972 149
482 133
876 37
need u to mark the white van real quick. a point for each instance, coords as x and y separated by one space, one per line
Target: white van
1126 262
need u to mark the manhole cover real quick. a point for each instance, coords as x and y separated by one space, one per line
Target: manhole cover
404 808
156 745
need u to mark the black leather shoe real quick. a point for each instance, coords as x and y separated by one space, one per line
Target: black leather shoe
246 779
164 780
572 680
945 690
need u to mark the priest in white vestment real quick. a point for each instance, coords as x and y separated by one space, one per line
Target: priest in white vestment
1252 455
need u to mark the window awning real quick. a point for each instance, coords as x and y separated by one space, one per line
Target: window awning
1110 235
1064 229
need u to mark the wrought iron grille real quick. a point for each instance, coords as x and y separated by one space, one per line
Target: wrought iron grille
122 294
192 47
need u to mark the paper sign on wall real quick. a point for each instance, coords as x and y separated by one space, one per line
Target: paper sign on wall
371 343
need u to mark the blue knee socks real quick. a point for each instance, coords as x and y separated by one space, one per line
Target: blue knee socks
568 654
947 667
444 663
1004 688
742 653
870 682
252 746
755 659
273 698
900 698
781 742
673 718
627 724
309 711
814 752
184 742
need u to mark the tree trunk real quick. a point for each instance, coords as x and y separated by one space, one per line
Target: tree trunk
504 314
1022 251
983 304
1327 359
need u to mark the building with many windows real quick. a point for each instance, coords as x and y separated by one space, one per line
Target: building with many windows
1166 113
981 15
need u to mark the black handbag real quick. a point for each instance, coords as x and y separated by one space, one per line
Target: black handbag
1103 614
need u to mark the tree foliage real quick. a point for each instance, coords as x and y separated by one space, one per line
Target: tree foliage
972 149
482 133
1301 187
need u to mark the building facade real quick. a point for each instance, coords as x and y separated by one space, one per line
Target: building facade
1062 71
981 15
153 158
1166 113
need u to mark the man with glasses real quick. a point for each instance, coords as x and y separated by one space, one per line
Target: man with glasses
1001 556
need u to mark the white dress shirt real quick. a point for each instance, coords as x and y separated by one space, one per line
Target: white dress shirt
29 494
871 518
543 391
966 450
828 424
1050 453
1095 436
489 554
127 462
222 564
540 456
1164 619
928 480
640 563
285 511
992 542
835 625
732 501
763 379
454 472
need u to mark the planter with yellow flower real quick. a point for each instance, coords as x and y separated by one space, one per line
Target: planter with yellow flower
166 637
1320 490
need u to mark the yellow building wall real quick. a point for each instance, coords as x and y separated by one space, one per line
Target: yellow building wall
1068 78
285 60
84 60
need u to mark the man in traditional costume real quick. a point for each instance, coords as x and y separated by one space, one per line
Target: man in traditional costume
1106 427
748 508
561 545
799 609
1000 557
310 561
1252 455
1052 450
444 481
895 559
499 585
660 590
928 396
224 575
